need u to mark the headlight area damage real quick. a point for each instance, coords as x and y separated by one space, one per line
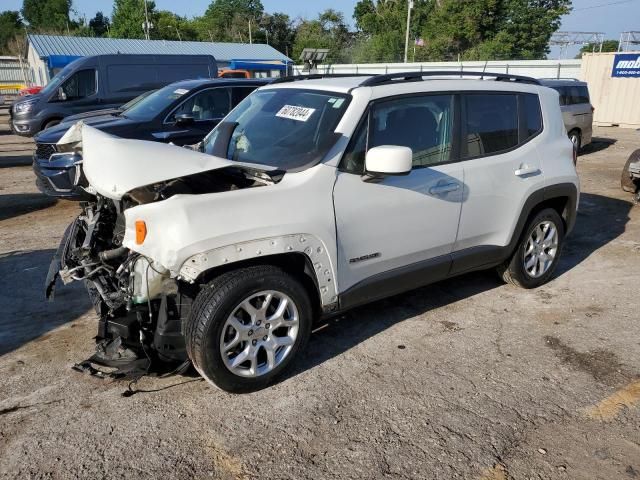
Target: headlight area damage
142 309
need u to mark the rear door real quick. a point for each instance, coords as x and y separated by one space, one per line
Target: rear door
501 169
400 230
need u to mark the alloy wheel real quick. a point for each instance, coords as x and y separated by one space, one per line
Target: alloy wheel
259 334
541 249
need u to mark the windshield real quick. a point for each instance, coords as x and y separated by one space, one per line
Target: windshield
58 78
131 103
149 107
283 128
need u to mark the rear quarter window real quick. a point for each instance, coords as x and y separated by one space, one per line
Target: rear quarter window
579 94
532 114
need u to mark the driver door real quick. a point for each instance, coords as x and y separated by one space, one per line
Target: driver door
397 232
206 108
79 92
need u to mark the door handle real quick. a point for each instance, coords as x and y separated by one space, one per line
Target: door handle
524 171
442 189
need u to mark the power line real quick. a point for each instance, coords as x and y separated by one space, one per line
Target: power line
602 5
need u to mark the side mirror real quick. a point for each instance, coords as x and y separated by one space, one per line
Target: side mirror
388 160
61 95
184 119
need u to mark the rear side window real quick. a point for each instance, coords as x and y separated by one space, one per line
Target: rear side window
490 124
577 94
532 115
572 94
563 95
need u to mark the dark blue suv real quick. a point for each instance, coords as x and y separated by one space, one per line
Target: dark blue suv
181 113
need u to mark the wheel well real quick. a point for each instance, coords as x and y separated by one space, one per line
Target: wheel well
296 264
559 204
49 120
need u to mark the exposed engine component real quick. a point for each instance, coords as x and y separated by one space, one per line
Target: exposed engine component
141 308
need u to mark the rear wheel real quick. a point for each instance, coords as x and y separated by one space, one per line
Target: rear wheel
626 182
247 326
576 139
537 254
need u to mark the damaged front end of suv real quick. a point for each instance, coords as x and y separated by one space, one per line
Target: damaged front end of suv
141 304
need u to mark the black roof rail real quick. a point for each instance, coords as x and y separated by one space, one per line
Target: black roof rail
317 76
419 76
573 79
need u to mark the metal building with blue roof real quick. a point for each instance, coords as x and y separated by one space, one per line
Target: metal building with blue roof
46 54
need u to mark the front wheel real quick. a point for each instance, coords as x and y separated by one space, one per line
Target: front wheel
51 123
247 326
537 254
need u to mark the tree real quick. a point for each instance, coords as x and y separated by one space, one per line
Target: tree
457 27
607 46
382 25
452 29
128 16
99 25
526 26
277 30
48 15
10 26
174 27
327 31
228 20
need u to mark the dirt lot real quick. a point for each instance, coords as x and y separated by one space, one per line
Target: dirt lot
468 378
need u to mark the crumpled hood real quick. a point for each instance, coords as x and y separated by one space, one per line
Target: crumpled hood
114 166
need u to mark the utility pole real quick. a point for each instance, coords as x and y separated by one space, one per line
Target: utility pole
250 38
146 21
406 40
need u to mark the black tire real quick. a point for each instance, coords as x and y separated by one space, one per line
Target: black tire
626 182
50 123
217 301
513 270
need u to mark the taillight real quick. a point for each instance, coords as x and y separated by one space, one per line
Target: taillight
141 231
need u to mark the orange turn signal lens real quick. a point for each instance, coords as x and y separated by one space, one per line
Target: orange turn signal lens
141 231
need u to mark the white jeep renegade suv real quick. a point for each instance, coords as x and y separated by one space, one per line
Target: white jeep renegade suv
313 196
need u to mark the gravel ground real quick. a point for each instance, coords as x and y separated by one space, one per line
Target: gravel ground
468 378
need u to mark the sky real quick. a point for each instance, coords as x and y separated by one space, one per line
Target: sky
608 16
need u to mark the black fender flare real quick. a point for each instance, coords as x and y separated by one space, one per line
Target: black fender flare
547 195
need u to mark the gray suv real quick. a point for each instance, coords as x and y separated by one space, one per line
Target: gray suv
577 111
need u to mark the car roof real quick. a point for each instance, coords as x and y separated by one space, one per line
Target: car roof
345 84
207 82
332 84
